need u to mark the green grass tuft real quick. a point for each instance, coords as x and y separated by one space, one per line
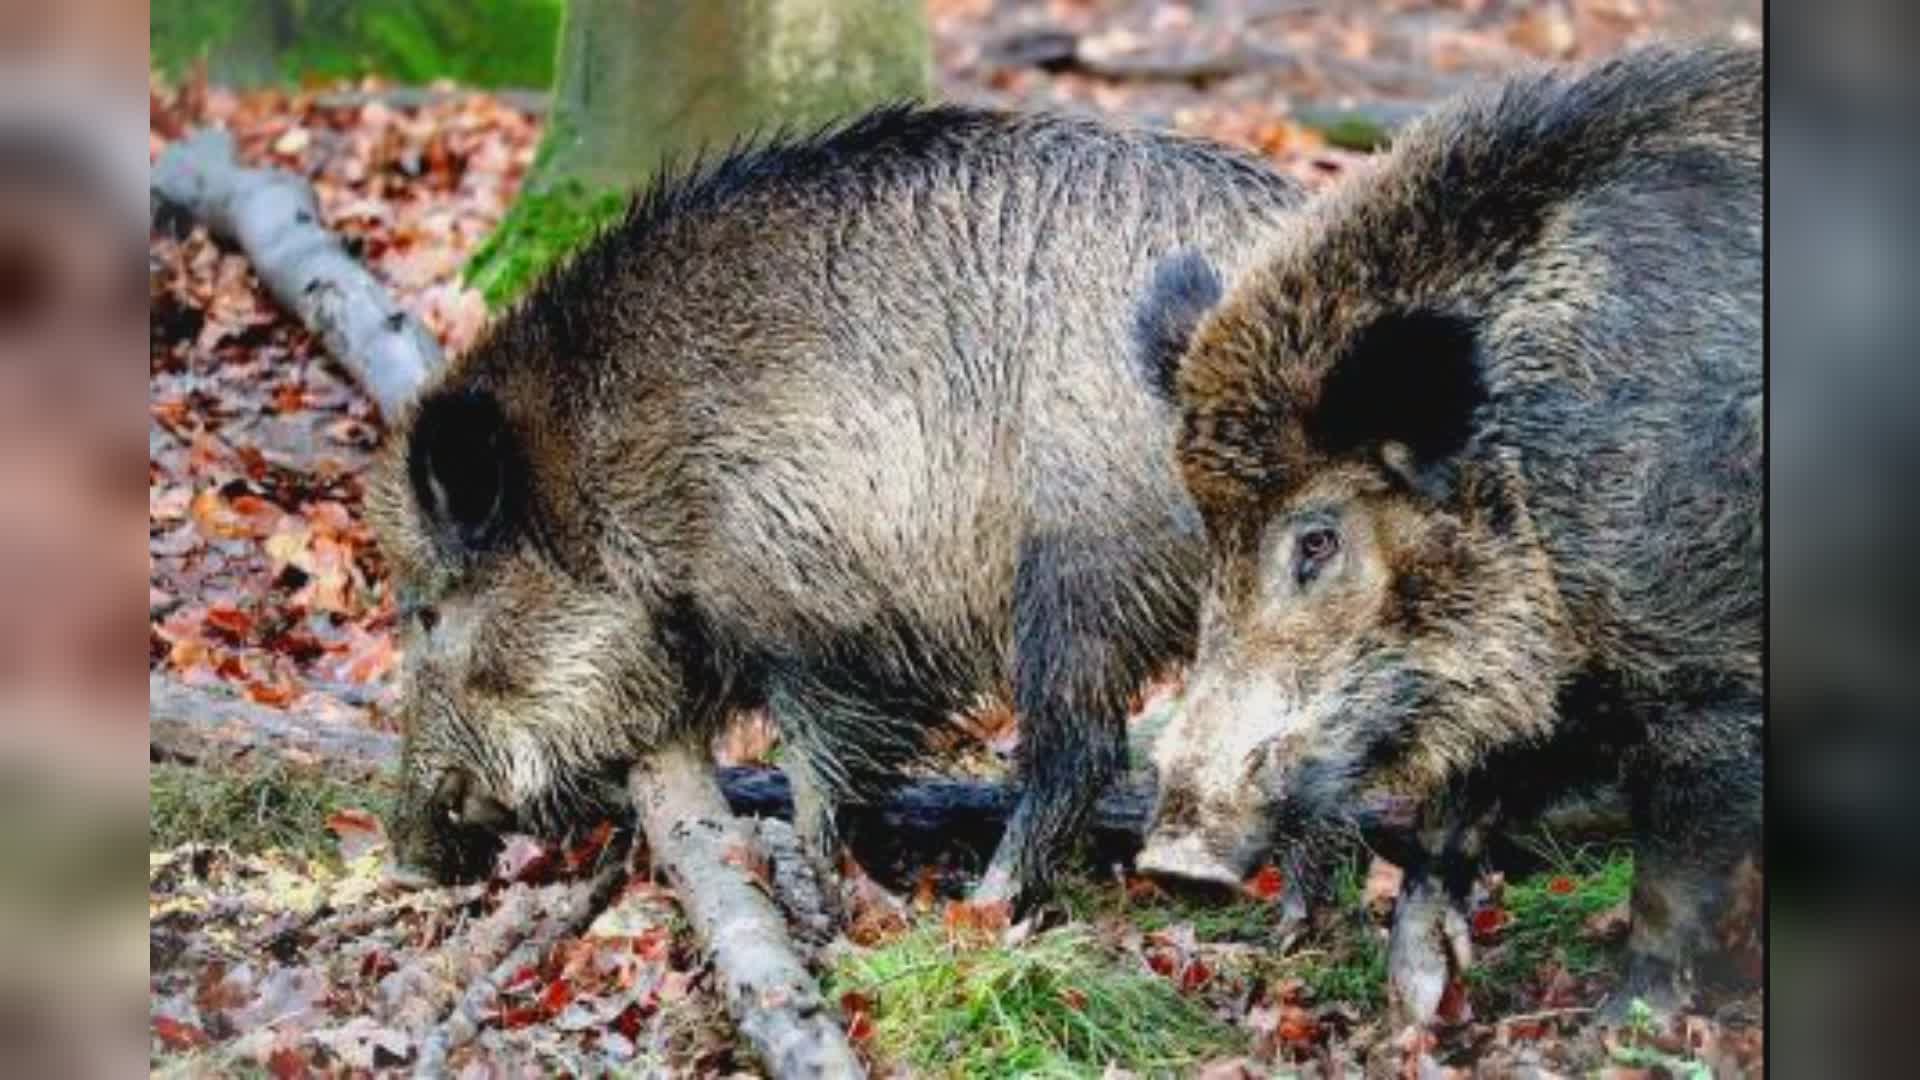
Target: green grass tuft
253 810
1548 914
1344 959
1060 1005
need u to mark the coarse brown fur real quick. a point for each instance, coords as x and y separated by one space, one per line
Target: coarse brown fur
848 425
1478 447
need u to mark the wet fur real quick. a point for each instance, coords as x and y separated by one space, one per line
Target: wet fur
848 424
1526 351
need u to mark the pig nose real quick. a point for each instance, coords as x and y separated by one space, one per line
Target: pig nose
1185 857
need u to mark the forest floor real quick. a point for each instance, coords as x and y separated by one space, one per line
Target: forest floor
276 948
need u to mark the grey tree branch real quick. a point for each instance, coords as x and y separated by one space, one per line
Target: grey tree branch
723 881
272 216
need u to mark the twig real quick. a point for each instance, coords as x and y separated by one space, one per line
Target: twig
712 862
1546 1014
474 1008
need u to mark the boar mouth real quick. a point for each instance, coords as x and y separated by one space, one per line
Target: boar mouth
452 855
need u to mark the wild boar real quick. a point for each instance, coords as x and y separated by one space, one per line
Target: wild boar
847 425
1478 446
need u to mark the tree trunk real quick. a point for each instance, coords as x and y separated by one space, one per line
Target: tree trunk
644 84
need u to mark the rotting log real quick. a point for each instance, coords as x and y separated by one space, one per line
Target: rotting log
920 822
724 881
273 217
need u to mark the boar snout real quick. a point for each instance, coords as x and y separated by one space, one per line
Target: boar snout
1186 857
450 835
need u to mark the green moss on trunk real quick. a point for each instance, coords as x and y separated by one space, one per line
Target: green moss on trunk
648 84
539 231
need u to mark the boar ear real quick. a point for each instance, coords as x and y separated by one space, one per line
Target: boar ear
1406 390
1184 288
468 472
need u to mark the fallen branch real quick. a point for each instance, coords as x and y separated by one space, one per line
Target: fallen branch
198 724
273 217
917 824
1058 51
720 878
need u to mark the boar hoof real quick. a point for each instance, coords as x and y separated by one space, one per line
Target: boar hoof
1429 949
1654 990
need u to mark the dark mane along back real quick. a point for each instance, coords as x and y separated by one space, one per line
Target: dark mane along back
1484 173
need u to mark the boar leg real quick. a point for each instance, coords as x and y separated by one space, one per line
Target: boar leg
1431 946
1070 685
1696 788
837 747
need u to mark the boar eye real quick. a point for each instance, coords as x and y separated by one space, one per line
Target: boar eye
1315 547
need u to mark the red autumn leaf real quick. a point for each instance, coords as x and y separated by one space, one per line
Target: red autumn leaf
178 1036
229 621
1194 976
1297 1026
858 1009
359 833
1487 923
556 995
1561 885
254 508
1267 883
964 918
520 1016
1162 961
278 695
288 1063
628 1022
1525 1030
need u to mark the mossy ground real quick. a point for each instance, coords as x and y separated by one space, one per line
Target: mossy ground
1548 927
253 810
